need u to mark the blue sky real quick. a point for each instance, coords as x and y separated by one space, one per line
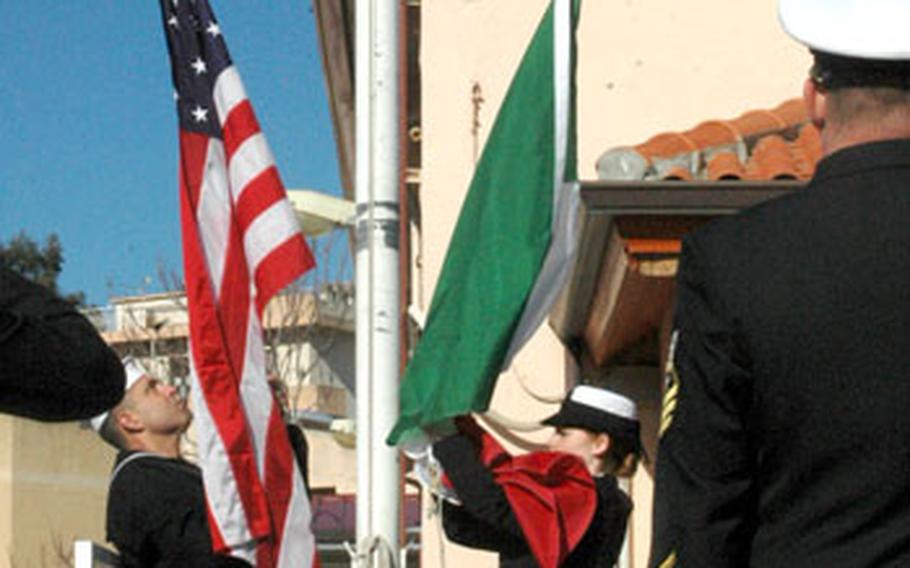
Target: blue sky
89 142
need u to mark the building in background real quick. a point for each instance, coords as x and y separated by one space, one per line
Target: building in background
309 342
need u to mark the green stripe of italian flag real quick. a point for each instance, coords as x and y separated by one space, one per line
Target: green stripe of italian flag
514 242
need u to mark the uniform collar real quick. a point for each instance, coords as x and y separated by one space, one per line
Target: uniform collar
606 482
125 454
864 157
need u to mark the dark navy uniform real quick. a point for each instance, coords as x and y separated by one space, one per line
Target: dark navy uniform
786 428
53 364
301 449
156 514
486 520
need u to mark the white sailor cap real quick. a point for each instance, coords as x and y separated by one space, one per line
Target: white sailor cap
134 372
864 29
598 410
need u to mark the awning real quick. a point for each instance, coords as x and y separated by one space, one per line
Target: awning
622 286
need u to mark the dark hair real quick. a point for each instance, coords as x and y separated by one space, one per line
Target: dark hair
878 105
112 434
616 460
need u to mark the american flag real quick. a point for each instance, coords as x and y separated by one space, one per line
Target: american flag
241 245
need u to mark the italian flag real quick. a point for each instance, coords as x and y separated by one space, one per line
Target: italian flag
514 242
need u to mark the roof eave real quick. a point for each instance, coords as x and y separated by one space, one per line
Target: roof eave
650 210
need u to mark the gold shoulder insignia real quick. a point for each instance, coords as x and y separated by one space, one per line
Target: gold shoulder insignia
669 561
671 386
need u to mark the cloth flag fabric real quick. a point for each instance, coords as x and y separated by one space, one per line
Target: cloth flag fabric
241 245
552 495
513 244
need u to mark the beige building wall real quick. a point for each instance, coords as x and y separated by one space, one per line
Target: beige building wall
6 490
645 67
53 490
332 463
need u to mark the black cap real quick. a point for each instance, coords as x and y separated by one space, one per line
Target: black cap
598 410
832 71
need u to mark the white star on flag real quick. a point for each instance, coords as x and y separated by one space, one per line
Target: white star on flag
172 21
200 114
213 29
198 65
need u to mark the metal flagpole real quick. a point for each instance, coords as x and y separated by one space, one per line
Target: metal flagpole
376 262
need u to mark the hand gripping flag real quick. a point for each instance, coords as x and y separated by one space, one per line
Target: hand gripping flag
513 244
241 245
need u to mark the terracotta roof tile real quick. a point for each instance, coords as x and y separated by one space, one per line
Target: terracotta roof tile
725 166
714 133
764 144
667 144
792 111
771 158
678 173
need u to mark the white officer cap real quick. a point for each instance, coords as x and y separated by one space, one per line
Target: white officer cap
134 372
864 29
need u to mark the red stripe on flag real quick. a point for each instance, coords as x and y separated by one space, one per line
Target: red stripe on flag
261 193
280 267
218 543
234 301
279 472
193 153
209 351
241 123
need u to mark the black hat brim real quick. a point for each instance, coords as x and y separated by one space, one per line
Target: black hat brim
575 415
